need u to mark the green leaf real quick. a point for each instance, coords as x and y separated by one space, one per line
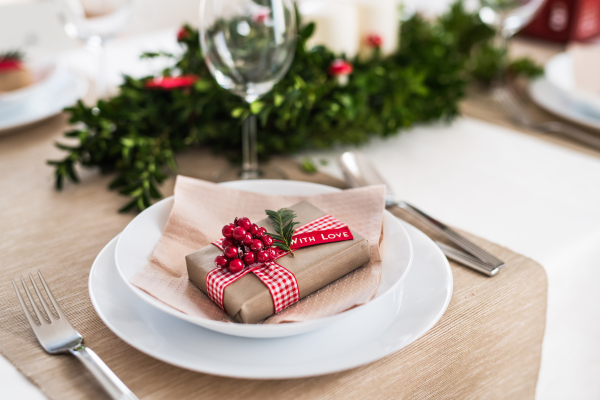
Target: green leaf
256 106
307 31
308 166
283 224
237 112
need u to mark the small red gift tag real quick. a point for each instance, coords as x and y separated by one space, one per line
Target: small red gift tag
320 237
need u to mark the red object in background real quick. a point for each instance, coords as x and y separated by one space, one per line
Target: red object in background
374 40
340 67
10 64
565 21
171 82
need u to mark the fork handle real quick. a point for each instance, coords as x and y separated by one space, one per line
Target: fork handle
573 133
115 388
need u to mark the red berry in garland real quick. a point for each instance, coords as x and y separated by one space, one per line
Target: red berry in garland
248 239
263 256
340 67
239 233
267 240
249 258
227 243
227 231
256 245
245 244
221 261
182 34
374 40
254 229
230 252
236 265
244 223
272 253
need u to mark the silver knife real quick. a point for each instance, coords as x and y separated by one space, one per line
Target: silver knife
359 171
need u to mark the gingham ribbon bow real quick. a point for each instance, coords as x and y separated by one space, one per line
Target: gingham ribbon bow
281 282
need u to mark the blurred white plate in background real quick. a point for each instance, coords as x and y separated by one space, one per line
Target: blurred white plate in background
553 100
62 89
42 69
560 72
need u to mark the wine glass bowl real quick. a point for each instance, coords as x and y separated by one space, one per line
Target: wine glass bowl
94 19
248 52
248 46
93 22
508 16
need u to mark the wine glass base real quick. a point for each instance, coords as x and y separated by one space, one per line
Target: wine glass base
236 173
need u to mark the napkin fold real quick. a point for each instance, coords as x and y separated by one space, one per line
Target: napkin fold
201 209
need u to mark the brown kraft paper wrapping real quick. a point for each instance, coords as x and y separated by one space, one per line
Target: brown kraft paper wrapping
248 300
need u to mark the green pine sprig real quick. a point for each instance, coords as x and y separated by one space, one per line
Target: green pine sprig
135 135
283 224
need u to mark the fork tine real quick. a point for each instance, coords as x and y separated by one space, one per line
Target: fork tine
42 300
32 321
37 311
59 310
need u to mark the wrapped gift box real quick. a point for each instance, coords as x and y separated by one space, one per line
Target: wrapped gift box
248 300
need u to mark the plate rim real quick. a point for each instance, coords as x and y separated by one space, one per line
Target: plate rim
265 330
573 115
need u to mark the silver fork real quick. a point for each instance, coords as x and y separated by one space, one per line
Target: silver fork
57 335
510 104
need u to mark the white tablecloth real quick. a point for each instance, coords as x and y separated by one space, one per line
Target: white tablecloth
532 196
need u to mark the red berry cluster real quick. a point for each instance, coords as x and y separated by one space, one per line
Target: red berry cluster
245 243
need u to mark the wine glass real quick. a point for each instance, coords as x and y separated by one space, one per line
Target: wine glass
94 22
248 46
508 16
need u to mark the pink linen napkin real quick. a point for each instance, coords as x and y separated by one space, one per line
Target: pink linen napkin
201 209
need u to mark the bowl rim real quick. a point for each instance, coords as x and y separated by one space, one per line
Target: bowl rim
260 330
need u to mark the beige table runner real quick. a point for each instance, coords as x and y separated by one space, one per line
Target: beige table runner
486 346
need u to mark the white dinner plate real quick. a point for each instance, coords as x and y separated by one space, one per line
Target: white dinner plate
63 89
560 72
553 100
137 242
376 330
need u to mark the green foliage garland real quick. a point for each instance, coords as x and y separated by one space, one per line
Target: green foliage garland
137 133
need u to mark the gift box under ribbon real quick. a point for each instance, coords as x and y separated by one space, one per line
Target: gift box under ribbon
325 250
197 217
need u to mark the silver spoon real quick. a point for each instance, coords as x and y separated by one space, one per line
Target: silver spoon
359 171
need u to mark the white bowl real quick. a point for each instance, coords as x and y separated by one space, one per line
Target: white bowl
136 244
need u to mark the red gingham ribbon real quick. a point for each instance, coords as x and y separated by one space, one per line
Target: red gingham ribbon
280 281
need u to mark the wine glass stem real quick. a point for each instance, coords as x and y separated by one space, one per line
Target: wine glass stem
501 41
250 155
96 45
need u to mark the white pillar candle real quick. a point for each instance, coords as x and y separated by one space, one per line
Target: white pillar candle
378 17
337 25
